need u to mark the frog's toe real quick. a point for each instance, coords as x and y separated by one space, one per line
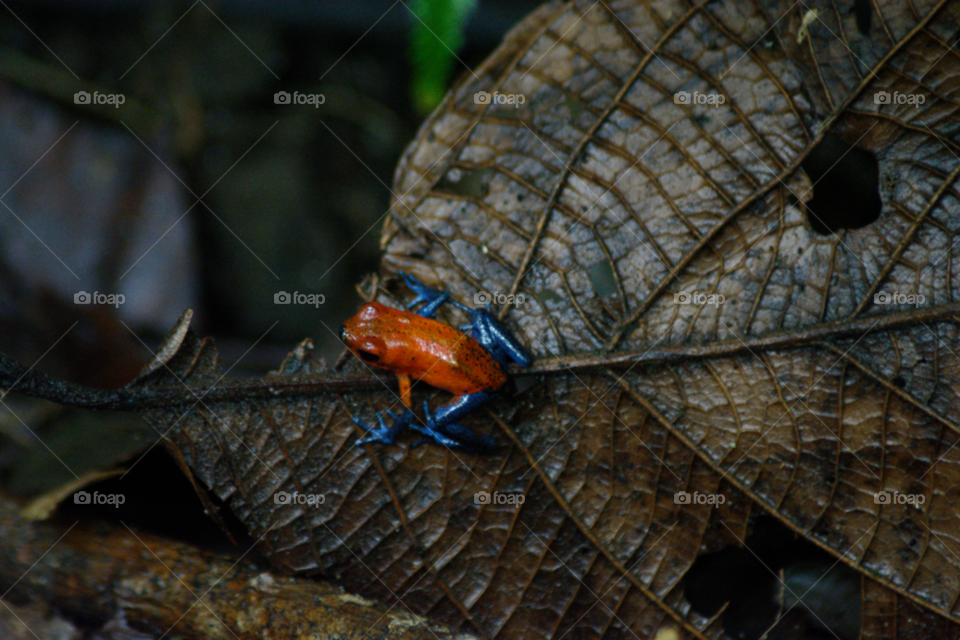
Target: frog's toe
376 435
432 435
432 298
384 434
424 293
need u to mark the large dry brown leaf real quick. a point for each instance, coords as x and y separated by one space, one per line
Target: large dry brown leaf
601 170
599 199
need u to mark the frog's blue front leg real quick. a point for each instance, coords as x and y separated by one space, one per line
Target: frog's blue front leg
444 429
384 434
434 298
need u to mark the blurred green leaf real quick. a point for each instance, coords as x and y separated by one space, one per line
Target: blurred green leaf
435 39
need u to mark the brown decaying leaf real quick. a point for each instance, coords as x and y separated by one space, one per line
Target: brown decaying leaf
598 199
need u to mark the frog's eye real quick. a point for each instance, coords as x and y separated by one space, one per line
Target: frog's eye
366 356
369 348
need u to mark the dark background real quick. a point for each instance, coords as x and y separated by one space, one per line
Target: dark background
296 193
99 199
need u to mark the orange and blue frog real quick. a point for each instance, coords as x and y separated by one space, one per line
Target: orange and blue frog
417 346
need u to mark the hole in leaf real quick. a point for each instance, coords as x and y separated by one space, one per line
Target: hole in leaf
158 498
471 183
522 383
602 279
819 597
549 297
846 192
864 14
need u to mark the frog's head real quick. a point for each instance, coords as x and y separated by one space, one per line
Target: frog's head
363 333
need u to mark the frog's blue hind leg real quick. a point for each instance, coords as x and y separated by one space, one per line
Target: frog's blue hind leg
444 429
495 337
384 434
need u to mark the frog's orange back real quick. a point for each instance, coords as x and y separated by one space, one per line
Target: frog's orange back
422 348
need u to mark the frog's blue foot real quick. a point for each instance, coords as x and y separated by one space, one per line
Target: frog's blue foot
433 298
451 434
384 434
